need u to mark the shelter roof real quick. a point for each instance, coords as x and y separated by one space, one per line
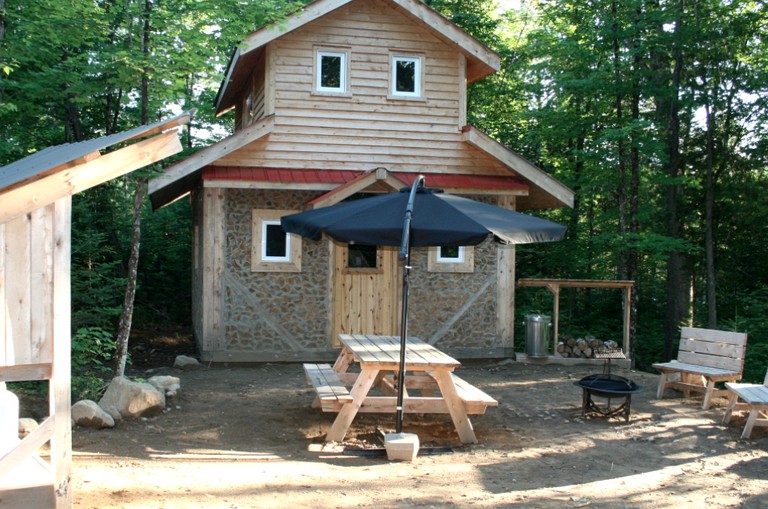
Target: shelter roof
61 170
481 60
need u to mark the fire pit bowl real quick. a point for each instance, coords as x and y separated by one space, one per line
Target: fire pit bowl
607 386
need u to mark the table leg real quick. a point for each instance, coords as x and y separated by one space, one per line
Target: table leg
455 407
732 400
348 412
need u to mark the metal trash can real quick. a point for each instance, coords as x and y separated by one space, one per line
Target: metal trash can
537 335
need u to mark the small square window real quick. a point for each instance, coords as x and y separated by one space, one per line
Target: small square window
406 76
331 71
451 259
362 257
272 249
450 254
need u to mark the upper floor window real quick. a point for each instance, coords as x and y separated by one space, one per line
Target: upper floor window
331 69
406 76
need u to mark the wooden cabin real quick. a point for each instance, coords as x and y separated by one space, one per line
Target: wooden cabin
35 240
346 98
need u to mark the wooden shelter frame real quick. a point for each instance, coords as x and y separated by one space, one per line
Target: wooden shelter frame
554 286
35 291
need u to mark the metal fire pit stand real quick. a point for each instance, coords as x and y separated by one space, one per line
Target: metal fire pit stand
607 386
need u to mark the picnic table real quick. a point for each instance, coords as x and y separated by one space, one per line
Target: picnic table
430 387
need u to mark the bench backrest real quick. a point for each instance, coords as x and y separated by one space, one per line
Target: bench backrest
713 348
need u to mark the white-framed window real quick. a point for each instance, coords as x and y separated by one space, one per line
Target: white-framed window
272 249
406 76
451 259
450 254
331 71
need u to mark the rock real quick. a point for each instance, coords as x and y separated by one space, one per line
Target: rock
27 426
186 362
132 399
89 414
169 385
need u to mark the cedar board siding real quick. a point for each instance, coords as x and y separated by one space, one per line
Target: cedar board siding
365 129
267 316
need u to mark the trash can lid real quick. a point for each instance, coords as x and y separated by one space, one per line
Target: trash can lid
537 318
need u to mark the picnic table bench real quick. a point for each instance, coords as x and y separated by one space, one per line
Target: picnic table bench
705 357
431 386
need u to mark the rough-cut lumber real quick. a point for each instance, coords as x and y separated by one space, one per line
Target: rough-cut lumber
750 397
705 357
331 392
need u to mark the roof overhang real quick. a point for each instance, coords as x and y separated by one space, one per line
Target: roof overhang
179 179
64 170
481 60
546 191
341 184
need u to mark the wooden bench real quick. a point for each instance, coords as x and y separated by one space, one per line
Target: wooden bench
331 392
705 357
475 400
751 397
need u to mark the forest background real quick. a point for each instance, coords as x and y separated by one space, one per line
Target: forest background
653 111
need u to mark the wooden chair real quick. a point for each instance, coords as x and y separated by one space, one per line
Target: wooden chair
705 357
754 398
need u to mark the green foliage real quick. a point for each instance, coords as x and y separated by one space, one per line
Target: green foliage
92 349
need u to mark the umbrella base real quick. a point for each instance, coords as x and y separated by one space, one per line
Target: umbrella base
401 446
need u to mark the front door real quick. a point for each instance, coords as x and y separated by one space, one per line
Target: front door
365 290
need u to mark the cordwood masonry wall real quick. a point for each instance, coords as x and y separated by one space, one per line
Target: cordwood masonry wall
285 316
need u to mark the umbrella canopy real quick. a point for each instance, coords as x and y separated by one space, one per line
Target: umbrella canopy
419 217
439 219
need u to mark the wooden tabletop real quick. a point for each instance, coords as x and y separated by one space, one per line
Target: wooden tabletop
383 352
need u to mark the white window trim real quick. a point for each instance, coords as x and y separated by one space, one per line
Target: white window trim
435 263
344 78
265 224
445 259
419 76
260 262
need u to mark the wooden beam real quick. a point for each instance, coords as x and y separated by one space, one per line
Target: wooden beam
78 178
26 373
28 446
59 390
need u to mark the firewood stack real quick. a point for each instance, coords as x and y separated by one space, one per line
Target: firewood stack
584 348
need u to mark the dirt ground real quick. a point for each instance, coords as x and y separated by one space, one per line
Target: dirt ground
240 437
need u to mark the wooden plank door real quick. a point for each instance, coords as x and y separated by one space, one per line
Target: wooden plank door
365 298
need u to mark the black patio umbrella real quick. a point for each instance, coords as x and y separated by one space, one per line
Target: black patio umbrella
419 217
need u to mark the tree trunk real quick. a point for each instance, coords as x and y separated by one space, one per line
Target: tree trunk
126 317
709 237
674 285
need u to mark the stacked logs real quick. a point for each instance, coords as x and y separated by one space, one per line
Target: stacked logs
584 348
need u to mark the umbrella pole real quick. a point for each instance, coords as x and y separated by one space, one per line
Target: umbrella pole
403 340
405 255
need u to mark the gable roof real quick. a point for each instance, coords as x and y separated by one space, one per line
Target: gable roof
62 170
481 60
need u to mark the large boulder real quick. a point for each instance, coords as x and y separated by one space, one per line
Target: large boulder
168 385
26 426
132 399
186 362
89 414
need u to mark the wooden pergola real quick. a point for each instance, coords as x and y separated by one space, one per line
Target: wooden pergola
554 286
35 303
